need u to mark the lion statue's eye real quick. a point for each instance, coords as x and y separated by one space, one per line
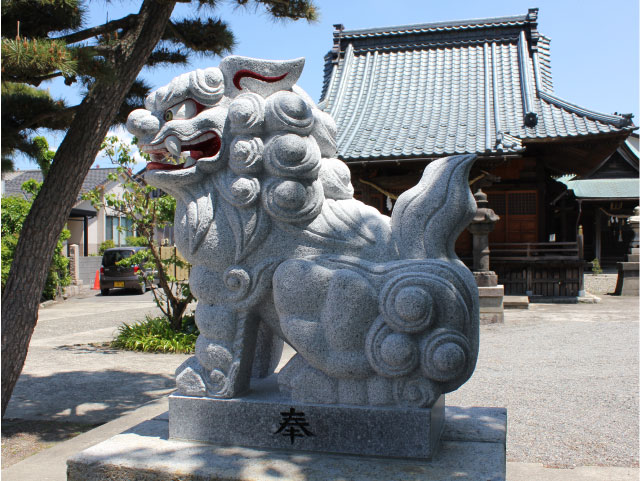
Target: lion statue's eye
186 109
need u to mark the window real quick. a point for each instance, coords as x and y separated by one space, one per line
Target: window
118 229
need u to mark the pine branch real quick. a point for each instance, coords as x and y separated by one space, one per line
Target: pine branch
286 9
27 108
38 120
35 81
38 18
108 27
163 56
210 36
34 58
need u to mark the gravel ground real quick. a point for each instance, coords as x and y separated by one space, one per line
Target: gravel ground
568 376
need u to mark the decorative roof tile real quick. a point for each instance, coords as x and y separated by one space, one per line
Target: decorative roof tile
477 86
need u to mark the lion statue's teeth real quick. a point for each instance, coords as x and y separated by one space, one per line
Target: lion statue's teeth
173 145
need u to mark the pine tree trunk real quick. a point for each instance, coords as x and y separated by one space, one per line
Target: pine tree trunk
51 208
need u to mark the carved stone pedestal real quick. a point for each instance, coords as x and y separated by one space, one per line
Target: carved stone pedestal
267 419
472 448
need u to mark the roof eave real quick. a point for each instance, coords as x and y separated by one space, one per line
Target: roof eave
426 158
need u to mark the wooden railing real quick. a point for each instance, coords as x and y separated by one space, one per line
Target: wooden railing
532 251
546 269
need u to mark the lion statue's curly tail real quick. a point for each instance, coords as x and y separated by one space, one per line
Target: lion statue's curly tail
428 218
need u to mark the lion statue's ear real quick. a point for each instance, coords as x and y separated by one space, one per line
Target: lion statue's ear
263 77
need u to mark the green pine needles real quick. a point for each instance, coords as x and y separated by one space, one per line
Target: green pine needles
28 58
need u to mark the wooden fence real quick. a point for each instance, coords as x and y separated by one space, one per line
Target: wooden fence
180 273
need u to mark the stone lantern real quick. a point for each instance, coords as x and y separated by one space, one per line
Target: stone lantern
491 294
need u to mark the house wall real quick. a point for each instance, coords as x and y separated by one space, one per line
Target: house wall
96 225
76 228
118 237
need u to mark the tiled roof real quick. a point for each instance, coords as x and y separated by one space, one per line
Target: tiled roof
12 181
478 86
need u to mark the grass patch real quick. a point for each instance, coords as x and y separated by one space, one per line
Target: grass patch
155 334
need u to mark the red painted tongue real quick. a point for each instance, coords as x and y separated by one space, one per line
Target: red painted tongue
161 166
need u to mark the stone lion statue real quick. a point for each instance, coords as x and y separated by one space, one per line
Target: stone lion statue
379 310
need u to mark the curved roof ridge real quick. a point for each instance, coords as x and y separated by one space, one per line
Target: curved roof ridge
617 120
455 24
421 45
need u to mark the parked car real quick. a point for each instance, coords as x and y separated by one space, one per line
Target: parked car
114 276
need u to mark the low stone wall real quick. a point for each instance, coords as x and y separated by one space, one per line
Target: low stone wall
600 283
88 267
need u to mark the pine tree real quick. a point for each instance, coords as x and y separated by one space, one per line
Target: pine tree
44 39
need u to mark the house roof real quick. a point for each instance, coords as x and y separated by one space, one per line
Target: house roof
475 86
12 181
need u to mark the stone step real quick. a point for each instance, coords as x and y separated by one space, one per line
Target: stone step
516 302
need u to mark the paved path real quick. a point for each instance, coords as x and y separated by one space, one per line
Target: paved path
568 375
67 378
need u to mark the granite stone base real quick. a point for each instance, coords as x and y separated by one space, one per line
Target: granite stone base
628 279
491 304
266 419
472 449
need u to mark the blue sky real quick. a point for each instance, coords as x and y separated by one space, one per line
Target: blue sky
594 44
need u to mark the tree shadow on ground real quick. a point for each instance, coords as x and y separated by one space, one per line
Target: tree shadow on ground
44 431
21 439
89 397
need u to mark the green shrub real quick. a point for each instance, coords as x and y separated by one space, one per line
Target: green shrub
595 266
9 243
155 334
108 244
136 241
14 213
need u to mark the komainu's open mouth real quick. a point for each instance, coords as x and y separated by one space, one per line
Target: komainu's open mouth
162 155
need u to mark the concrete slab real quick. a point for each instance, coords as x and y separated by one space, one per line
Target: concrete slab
473 449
